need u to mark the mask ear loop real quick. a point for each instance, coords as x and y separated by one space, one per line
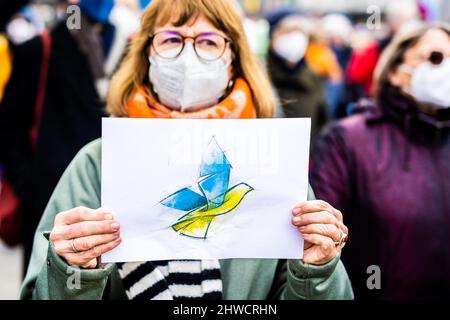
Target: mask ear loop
230 84
229 89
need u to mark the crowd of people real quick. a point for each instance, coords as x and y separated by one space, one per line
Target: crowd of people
378 96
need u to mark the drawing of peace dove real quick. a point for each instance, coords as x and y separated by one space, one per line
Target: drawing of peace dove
215 198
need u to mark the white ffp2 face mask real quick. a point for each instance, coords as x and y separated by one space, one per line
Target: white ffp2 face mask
430 83
292 46
187 83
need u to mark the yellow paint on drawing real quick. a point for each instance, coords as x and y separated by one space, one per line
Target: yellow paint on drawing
196 223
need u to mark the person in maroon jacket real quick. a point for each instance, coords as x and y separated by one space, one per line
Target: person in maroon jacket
388 169
401 15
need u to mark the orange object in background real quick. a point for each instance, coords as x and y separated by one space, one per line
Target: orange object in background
5 64
322 60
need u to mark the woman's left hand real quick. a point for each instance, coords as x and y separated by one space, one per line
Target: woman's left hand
322 228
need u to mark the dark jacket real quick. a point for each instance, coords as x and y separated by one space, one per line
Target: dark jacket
300 90
71 117
388 169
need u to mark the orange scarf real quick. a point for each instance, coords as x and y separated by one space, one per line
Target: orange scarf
238 104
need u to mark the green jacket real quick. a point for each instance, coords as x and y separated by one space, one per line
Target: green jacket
48 275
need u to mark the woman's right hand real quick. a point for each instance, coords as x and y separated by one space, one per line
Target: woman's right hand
81 235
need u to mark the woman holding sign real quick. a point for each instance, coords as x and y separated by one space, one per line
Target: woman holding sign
190 60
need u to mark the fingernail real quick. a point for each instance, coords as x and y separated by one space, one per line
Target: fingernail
296 219
115 226
296 211
302 229
108 216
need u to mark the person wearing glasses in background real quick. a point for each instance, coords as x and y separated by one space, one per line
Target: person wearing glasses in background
190 59
388 169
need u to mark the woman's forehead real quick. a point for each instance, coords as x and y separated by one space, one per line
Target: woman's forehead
198 25
292 22
433 40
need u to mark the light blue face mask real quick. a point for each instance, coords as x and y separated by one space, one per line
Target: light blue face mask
97 10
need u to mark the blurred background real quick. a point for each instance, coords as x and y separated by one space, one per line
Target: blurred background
337 30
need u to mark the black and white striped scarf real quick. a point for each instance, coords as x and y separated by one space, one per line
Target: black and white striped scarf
172 280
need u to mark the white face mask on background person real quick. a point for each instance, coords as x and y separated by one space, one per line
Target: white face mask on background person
292 46
20 30
430 84
124 19
188 83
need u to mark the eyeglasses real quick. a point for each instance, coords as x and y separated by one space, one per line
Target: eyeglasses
207 46
436 57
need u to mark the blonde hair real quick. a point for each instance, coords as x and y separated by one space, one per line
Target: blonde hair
133 72
393 56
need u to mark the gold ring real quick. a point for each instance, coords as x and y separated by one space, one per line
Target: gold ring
73 246
343 240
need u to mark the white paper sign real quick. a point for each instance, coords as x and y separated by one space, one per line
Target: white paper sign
205 189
